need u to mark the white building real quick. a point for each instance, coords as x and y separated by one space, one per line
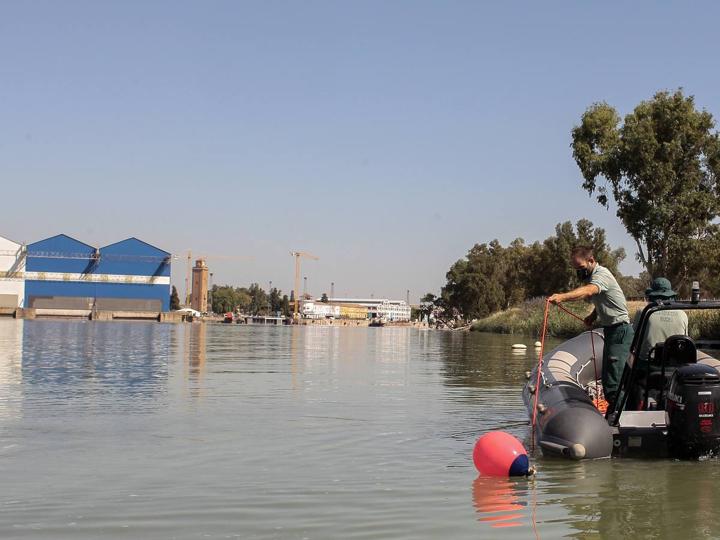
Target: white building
12 270
390 310
319 310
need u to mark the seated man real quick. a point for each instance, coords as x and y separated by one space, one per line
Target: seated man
661 324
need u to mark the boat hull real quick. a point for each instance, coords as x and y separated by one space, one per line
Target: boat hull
567 422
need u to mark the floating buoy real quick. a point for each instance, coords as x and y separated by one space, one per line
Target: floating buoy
538 344
500 454
519 346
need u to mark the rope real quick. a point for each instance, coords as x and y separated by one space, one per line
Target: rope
533 514
539 369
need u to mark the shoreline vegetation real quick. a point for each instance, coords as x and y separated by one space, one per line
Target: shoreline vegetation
526 319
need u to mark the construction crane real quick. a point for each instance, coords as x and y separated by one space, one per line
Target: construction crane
298 255
188 270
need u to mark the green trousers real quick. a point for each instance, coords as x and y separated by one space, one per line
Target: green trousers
615 353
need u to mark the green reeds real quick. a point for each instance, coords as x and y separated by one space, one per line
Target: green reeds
527 318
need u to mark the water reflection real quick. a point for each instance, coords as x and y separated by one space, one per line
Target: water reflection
196 347
73 359
478 360
500 502
193 356
11 340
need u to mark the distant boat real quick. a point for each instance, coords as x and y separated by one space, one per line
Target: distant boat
377 322
228 318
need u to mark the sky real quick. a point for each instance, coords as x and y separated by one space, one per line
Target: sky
386 138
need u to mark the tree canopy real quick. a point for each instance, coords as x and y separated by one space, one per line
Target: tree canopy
661 166
252 300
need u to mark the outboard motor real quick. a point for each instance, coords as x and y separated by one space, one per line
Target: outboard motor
693 400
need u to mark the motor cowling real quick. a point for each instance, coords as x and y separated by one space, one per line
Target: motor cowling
693 407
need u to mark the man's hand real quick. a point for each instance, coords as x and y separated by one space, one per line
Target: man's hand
556 298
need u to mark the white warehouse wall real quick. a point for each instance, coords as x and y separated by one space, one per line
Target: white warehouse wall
12 269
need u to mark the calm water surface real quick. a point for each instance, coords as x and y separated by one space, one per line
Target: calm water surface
143 430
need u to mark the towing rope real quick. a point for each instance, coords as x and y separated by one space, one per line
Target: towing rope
539 369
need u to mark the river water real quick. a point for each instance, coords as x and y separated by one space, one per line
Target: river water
147 430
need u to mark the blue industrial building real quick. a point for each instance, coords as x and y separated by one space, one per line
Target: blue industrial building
64 273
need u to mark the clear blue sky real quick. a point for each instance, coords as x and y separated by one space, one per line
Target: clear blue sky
385 137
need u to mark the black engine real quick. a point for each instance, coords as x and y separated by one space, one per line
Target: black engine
692 401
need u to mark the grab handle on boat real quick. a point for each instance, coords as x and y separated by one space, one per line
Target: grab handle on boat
575 451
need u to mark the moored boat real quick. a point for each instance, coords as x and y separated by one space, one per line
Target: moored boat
667 406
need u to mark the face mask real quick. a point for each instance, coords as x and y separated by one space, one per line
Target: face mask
583 274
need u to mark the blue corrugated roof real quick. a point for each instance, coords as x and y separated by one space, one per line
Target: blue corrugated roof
60 253
134 257
130 241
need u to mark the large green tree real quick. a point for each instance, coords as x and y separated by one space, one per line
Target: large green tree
661 167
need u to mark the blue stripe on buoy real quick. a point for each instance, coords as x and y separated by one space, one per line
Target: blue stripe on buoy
520 466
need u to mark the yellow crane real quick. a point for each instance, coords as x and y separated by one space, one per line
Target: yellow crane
298 255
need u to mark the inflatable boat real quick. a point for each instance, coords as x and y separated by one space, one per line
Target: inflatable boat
668 405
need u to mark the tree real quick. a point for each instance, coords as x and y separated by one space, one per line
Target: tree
227 298
258 299
275 299
285 306
324 298
223 299
662 168
242 300
474 284
634 287
174 299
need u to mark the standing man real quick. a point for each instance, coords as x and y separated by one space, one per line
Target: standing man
610 312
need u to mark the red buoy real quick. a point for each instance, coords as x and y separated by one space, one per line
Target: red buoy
500 454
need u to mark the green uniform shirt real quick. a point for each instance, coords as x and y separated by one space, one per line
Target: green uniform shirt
610 304
660 326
